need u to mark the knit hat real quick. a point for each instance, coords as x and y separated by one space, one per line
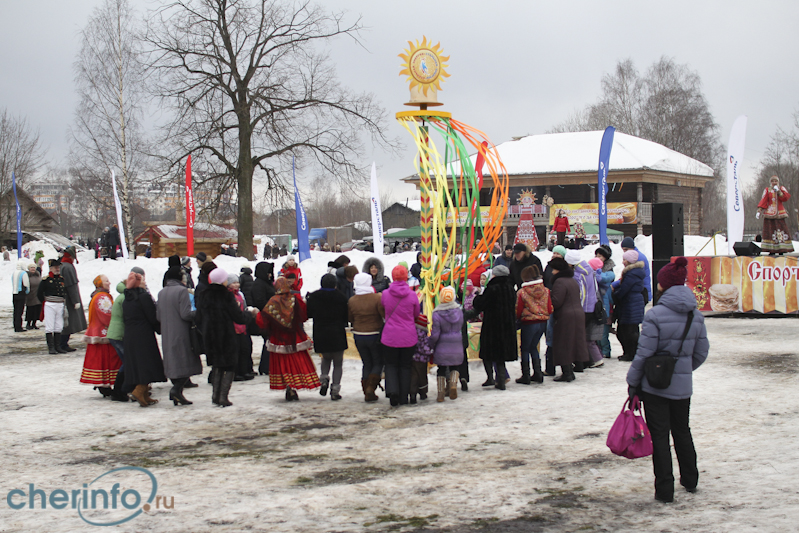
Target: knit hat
596 263
519 247
201 257
573 257
185 261
508 247
628 242
363 284
500 270
137 270
631 256
405 264
559 264
673 273
559 249
446 295
421 320
399 273
468 286
604 252
218 276
232 278
328 281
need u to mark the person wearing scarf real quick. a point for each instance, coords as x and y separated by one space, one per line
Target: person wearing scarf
290 364
101 363
365 313
328 309
446 340
776 238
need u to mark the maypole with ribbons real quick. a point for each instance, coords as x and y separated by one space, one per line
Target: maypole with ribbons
449 182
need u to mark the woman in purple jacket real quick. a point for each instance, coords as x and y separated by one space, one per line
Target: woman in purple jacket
400 307
447 342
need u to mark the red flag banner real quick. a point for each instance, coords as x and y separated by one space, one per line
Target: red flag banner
189 211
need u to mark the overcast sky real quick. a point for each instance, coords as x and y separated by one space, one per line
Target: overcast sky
517 67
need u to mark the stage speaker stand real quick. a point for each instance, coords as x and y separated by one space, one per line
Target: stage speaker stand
667 236
746 249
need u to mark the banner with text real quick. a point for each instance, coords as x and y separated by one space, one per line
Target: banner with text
735 204
618 213
463 215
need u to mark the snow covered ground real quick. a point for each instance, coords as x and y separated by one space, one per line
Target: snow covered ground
532 458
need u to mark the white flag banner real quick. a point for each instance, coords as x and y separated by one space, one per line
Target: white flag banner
377 215
735 204
119 218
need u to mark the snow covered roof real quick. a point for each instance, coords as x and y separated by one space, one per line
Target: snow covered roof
413 205
555 153
202 230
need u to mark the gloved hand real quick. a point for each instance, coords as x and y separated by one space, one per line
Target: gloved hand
757 216
77 306
632 392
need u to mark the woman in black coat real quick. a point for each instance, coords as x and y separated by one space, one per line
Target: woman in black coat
262 291
328 308
142 358
217 310
498 333
245 282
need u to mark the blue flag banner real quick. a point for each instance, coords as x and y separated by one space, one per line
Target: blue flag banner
602 186
19 217
302 221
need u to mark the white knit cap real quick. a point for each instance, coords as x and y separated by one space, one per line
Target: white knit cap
573 257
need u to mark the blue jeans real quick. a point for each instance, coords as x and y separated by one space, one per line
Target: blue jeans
369 349
604 343
531 334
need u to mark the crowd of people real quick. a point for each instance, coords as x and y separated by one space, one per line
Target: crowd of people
573 303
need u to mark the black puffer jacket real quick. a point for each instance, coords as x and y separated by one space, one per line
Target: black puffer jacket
246 281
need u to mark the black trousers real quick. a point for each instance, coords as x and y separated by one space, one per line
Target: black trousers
628 338
244 361
398 371
664 417
19 300
32 314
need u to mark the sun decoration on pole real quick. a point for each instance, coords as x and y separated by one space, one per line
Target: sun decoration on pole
425 67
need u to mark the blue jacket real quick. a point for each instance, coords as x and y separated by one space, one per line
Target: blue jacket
662 331
628 297
603 280
647 273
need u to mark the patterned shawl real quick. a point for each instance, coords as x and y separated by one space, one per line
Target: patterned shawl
281 306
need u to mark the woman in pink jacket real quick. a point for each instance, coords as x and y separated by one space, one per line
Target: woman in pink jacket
400 307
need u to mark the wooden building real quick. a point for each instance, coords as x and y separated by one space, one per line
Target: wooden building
564 167
403 214
34 216
170 239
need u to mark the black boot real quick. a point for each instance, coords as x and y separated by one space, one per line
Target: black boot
190 384
216 375
579 366
501 373
57 343
50 343
538 376
489 368
525 379
224 388
176 392
567 375
65 344
117 394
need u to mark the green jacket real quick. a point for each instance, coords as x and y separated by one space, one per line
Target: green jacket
116 329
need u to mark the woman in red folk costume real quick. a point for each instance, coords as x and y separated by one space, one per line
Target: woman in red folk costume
101 364
290 364
290 267
776 239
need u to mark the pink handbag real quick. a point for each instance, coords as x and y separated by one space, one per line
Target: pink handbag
629 436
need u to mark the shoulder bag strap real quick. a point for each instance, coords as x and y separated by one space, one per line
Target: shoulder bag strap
685 331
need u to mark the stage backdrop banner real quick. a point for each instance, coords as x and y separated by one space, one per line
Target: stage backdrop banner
618 213
765 284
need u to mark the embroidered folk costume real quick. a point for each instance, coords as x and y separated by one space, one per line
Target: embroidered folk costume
776 239
101 364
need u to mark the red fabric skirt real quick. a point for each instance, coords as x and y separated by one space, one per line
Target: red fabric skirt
776 238
100 366
295 370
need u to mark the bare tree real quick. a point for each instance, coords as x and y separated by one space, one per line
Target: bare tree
667 106
250 86
110 80
21 154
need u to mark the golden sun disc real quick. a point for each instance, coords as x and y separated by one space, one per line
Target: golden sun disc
424 65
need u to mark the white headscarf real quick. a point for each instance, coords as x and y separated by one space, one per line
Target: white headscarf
363 284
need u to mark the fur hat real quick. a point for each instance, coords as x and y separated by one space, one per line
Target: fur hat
573 257
218 276
559 264
631 256
673 273
604 252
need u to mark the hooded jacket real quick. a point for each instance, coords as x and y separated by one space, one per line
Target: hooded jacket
628 296
262 287
584 275
662 330
400 308
533 303
245 284
446 338
380 282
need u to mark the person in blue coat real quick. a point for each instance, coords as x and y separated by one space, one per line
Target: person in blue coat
668 410
629 244
629 298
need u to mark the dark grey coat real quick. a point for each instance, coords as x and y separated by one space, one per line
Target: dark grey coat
77 318
661 331
175 315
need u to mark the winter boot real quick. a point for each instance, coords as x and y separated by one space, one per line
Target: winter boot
442 388
525 379
176 393
567 375
140 393
117 395
225 382
325 384
489 368
453 385
371 385
147 395
538 376
217 384
57 343
334 392
50 343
